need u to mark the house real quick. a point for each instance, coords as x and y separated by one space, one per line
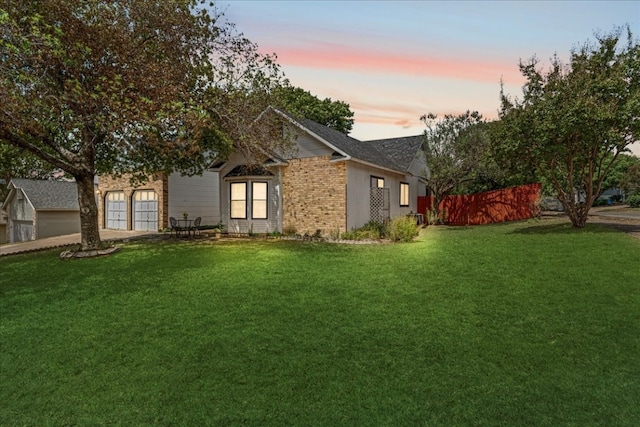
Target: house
328 182
37 209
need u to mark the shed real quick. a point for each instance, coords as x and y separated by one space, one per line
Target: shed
38 208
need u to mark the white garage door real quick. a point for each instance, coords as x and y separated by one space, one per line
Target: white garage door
116 205
145 210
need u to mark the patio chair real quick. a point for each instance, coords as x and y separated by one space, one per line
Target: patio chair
174 226
196 225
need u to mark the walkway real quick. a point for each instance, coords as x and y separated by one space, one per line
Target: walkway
621 218
69 239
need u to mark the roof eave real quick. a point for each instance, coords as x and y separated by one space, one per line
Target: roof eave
364 162
310 132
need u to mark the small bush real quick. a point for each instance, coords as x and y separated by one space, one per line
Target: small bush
634 200
601 202
377 228
616 198
403 229
289 231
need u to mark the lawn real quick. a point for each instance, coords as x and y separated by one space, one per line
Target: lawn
531 323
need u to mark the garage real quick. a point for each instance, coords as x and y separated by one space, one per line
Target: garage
116 210
145 210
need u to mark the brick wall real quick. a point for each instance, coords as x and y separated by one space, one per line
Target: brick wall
314 195
158 182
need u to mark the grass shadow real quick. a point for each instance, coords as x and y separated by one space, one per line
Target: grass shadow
564 228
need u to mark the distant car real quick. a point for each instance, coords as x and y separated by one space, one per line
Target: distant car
551 204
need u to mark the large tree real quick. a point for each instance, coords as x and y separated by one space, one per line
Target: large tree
94 87
454 147
17 163
630 180
620 171
299 102
574 120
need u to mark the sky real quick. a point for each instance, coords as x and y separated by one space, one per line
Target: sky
393 61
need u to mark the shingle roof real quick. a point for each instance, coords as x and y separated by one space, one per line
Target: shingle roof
45 195
395 153
401 150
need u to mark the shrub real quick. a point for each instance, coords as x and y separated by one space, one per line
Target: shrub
601 202
634 200
403 229
289 231
379 229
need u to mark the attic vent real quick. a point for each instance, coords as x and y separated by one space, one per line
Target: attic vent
20 195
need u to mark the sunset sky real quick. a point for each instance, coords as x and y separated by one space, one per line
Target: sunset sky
395 61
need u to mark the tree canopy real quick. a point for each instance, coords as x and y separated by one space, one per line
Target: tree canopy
17 163
454 147
620 172
94 87
574 120
299 102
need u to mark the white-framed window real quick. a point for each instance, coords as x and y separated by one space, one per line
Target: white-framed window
377 182
404 194
238 200
259 205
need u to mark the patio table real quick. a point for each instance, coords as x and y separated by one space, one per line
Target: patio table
185 225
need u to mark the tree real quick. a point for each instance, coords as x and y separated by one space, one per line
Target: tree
630 180
575 120
453 147
94 87
299 102
16 163
619 173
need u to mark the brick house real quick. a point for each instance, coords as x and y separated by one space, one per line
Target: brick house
328 182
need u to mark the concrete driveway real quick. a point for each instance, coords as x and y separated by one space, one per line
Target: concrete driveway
69 239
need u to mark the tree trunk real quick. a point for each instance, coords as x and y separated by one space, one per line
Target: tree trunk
579 212
89 234
434 212
578 217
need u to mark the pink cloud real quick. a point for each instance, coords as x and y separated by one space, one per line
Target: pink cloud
333 56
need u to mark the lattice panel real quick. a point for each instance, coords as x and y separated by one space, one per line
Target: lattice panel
379 203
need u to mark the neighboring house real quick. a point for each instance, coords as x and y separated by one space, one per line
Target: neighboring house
613 195
328 182
37 209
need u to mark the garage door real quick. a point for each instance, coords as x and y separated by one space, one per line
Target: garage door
116 205
145 210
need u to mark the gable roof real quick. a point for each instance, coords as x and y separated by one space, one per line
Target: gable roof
401 150
394 153
48 195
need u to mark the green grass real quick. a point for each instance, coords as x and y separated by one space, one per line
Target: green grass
530 323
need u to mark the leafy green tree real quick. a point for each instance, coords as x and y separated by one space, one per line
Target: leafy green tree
630 180
574 121
619 171
299 102
453 147
16 163
94 87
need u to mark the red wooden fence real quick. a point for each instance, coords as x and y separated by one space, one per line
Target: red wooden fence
509 204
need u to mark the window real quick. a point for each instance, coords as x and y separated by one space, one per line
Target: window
377 182
238 200
259 200
404 194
